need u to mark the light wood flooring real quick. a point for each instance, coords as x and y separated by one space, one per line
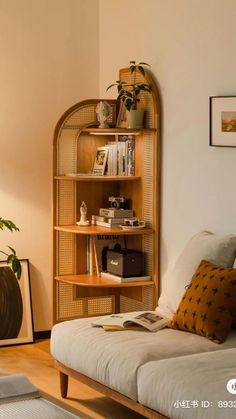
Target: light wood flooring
35 361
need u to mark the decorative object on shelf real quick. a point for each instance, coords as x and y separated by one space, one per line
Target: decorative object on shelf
104 111
133 222
100 160
83 215
101 245
223 121
15 308
125 262
117 202
128 94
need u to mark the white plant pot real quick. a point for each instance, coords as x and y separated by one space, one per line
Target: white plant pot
135 118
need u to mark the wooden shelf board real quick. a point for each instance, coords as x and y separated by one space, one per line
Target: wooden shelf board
90 178
114 131
95 230
87 280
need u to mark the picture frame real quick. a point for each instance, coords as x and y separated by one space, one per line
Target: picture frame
16 308
222 121
100 160
121 121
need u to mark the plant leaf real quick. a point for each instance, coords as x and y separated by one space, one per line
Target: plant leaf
16 267
141 69
12 250
8 224
141 63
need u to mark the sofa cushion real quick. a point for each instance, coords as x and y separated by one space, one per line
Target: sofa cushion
169 386
208 306
113 358
215 248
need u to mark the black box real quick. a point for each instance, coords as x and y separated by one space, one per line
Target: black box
125 262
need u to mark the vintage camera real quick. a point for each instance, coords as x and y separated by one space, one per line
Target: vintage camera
116 202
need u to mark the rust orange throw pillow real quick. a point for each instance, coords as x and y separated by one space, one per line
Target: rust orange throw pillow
208 306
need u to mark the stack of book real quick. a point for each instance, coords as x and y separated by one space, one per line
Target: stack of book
111 217
121 158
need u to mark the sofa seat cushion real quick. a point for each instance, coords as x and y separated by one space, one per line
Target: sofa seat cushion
169 386
113 358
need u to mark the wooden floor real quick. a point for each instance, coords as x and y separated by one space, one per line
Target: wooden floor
35 361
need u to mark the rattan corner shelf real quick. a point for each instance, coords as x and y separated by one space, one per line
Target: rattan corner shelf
78 291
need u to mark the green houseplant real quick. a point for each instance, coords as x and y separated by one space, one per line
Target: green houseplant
11 307
11 257
128 93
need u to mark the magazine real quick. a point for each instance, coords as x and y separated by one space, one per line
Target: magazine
136 320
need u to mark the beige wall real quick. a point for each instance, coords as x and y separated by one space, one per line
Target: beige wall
51 54
49 61
191 47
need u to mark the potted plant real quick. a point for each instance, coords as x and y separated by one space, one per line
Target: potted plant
11 306
128 94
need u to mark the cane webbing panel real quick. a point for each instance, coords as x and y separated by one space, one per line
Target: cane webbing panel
148 254
69 307
101 305
65 253
66 151
148 180
82 116
66 203
129 304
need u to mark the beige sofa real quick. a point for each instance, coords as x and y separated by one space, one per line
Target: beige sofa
157 374
149 372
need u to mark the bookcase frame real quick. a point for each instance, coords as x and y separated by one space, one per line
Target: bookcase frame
77 290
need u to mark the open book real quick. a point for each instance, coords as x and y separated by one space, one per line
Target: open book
136 320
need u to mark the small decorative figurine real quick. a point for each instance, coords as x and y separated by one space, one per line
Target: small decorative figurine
83 215
103 110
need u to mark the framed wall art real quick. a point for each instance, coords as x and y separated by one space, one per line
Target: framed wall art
16 320
223 121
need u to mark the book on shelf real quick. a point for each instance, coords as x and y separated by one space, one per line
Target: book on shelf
127 279
122 157
148 320
103 242
91 259
107 224
115 213
108 220
112 161
15 388
130 156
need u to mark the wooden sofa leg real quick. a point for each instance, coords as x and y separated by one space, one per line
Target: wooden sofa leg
63 384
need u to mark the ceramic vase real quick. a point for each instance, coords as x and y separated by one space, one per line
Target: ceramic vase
135 118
